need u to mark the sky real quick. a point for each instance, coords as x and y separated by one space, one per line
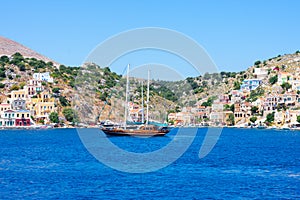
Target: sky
234 33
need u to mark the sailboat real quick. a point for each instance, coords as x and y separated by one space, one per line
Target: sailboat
141 130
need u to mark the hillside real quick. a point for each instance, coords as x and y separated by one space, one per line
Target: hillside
97 93
9 47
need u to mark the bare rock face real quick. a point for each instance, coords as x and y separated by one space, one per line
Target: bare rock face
9 47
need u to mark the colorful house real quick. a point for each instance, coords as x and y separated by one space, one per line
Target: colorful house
33 87
18 94
8 118
22 118
43 105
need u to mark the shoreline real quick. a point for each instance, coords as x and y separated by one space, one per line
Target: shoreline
91 127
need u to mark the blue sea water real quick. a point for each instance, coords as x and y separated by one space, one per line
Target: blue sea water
244 164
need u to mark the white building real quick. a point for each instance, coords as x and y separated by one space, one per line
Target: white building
43 77
260 73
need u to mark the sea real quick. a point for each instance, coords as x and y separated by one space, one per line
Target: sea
242 164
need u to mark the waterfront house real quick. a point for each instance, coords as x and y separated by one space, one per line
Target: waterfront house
8 118
171 117
242 111
43 105
216 117
184 118
202 112
293 116
22 118
220 118
279 117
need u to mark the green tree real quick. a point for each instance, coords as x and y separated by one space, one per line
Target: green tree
270 117
254 94
22 84
54 117
2 85
70 114
63 101
226 107
286 86
2 74
254 110
232 107
253 119
257 62
17 59
209 101
14 87
22 67
273 79
55 90
298 119
230 119
236 85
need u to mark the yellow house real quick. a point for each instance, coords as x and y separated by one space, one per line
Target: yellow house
43 105
18 94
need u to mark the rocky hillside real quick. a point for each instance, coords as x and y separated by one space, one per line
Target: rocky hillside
9 47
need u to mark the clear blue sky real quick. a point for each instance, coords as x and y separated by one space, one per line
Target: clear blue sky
234 33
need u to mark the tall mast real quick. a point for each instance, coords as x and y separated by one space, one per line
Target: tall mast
148 88
126 97
143 117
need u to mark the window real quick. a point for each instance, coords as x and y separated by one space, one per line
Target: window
27 115
17 115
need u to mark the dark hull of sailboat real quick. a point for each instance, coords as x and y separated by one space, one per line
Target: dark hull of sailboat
133 132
